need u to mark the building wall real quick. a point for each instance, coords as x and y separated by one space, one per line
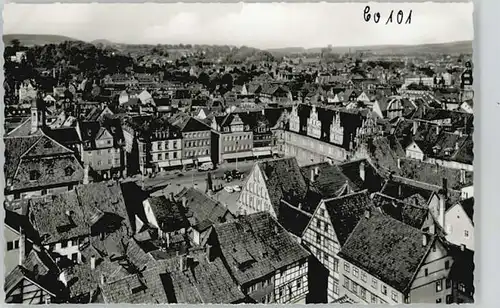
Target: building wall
149 214
308 150
26 292
434 270
165 150
459 229
67 248
38 192
413 151
103 159
254 196
290 283
196 144
365 287
11 250
319 236
467 192
228 144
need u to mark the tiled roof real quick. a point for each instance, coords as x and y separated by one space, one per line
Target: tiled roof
169 214
202 207
409 214
58 217
65 135
283 179
346 211
255 246
388 249
46 282
50 171
294 220
14 149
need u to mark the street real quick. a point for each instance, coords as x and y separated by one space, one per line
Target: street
174 181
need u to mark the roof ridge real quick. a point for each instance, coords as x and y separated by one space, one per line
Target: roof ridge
348 195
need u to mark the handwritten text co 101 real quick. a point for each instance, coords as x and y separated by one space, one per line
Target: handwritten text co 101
397 18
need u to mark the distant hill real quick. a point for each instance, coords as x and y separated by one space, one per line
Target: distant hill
445 48
36 39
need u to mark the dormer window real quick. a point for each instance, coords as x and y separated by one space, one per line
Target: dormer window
47 145
68 171
34 175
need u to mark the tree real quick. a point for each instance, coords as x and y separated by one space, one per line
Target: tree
15 43
227 82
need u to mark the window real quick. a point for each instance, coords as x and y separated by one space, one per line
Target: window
354 287
335 287
318 223
439 285
394 296
426 272
33 175
68 171
299 284
363 276
448 283
44 192
318 238
447 264
346 283
322 213
407 299
355 271
16 244
326 227
362 292
374 283
438 301
10 246
175 154
347 267
281 292
74 257
335 265
384 289
325 257
374 299
64 244
449 299
466 233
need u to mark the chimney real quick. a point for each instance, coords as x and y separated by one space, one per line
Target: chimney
442 202
86 174
367 213
313 174
208 250
103 279
62 278
462 247
171 196
456 146
462 176
316 170
362 171
432 229
92 262
437 129
424 240
184 201
22 247
415 127
399 163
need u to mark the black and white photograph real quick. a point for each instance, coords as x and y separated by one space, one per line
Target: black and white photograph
238 153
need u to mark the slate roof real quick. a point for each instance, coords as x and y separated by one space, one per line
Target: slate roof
346 211
255 246
388 249
409 214
169 215
202 207
283 179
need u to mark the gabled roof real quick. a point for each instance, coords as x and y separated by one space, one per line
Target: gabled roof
388 249
202 207
346 211
283 179
169 214
47 283
409 214
255 246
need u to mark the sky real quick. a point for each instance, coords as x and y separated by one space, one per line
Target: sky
260 25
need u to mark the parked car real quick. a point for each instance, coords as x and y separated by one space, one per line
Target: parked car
206 167
232 174
229 189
